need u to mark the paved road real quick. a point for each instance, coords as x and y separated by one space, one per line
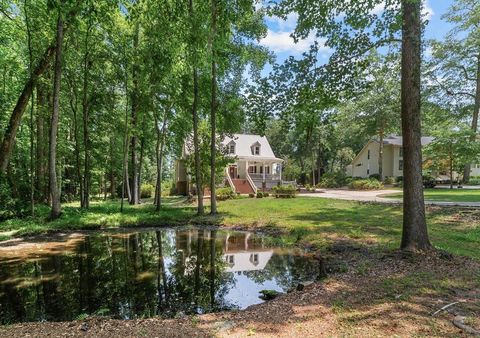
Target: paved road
376 196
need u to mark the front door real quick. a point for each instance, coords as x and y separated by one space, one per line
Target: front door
232 171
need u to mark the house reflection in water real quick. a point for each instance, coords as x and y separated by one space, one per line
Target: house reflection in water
242 251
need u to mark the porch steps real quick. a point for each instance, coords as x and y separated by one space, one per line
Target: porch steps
242 186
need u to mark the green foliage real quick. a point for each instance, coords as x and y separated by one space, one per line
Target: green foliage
147 190
284 191
365 184
389 180
336 179
226 193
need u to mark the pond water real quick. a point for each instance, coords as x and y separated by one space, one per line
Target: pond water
145 273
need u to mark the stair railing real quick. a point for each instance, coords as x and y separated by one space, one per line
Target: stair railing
254 187
229 180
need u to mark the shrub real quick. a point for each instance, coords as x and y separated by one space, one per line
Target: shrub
266 194
146 190
365 184
9 207
223 194
333 180
474 181
389 180
375 177
284 191
259 194
429 181
251 195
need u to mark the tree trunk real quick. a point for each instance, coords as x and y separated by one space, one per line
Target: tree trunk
450 155
213 114
140 165
415 235
196 145
22 102
85 202
380 153
32 109
125 185
40 147
159 151
54 188
134 169
476 110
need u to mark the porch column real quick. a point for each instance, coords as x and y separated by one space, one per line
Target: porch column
280 164
263 164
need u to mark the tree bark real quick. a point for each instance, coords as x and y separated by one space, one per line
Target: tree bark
196 143
415 235
54 189
476 110
134 169
159 152
213 114
125 185
22 102
380 152
40 147
85 201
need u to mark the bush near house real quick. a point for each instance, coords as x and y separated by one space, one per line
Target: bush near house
389 180
284 191
366 184
224 194
474 180
146 190
336 179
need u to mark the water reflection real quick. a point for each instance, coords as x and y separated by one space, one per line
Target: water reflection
147 273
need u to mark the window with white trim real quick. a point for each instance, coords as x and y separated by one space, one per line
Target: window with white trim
231 148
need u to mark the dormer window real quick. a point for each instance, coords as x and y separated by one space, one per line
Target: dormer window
231 148
255 148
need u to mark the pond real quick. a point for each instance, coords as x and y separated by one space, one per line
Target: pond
145 273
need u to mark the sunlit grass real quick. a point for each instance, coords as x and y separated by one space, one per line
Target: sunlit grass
446 195
310 220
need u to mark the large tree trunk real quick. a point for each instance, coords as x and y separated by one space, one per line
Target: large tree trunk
213 114
54 189
415 235
22 102
476 110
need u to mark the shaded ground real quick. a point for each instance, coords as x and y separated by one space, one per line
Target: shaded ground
444 195
368 293
372 290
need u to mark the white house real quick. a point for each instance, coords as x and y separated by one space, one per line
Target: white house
255 165
366 161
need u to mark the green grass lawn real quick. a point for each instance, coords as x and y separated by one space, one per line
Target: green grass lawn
446 195
311 220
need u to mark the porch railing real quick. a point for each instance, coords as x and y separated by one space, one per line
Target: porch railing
268 177
250 181
229 180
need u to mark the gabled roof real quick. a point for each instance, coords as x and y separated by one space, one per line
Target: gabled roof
244 143
398 140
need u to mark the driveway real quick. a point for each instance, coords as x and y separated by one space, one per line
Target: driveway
376 196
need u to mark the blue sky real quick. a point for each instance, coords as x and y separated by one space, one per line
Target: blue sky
279 41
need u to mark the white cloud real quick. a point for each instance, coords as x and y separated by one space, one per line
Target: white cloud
427 10
279 37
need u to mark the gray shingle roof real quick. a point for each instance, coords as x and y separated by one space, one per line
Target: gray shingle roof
398 140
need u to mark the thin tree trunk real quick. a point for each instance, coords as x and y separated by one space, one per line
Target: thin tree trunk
415 235
380 153
476 111
450 155
159 151
125 185
213 114
134 187
196 145
85 202
54 188
140 165
32 109
40 147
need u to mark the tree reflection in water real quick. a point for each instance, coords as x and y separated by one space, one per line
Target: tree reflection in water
146 273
